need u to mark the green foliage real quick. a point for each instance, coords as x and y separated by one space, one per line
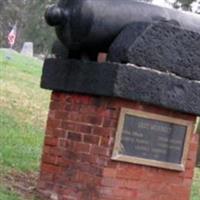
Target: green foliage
31 25
184 4
37 30
7 195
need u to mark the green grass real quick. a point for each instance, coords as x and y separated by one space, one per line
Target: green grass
21 95
196 186
23 113
8 195
20 144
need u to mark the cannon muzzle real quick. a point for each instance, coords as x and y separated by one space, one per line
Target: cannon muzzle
55 16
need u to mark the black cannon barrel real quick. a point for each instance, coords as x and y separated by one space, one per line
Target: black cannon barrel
95 23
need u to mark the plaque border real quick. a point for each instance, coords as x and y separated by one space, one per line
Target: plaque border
116 156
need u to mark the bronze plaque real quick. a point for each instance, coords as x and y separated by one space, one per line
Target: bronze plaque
152 139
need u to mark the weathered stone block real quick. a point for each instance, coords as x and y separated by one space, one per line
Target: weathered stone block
161 46
124 81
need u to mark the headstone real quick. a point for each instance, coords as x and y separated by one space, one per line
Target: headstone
27 49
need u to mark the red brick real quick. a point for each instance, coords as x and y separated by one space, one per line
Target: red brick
57 151
187 182
92 139
129 184
50 168
74 116
49 159
74 126
63 162
109 172
103 131
109 182
192 155
106 141
85 178
195 138
68 125
92 109
105 191
69 144
94 120
53 123
83 128
51 141
181 191
193 147
189 173
82 99
97 150
101 160
82 147
74 136
88 168
134 172
60 133
46 176
111 113
56 105
62 142
59 96
125 193
61 115
72 107
89 158
76 157
190 164
109 123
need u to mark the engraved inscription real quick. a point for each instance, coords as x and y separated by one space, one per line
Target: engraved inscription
152 139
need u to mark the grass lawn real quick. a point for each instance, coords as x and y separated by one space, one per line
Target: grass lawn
7 195
196 186
23 112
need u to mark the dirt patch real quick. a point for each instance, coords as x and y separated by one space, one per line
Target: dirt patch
23 184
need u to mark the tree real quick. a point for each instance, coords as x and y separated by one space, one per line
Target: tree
184 4
37 30
10 14
31 26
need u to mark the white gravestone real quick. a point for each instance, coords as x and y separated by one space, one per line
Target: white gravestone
27 49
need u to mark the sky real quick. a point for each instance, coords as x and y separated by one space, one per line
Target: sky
163 3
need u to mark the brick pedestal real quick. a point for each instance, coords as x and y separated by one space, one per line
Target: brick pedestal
76 161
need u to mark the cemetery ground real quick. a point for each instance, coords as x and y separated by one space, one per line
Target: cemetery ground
23 113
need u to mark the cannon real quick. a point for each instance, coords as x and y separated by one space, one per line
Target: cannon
86 27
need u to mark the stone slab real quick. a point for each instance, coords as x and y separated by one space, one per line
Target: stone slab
79 76
27 49
123 81
161 46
